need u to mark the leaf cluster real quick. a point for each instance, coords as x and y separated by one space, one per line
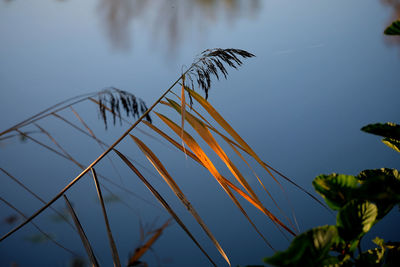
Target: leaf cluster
361 201
393 29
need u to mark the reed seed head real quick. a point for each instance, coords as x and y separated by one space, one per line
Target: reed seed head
115 100
212 62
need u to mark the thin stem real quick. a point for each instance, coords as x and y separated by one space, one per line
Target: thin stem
95 161
114 250
36 196
38 115
84 239
38 228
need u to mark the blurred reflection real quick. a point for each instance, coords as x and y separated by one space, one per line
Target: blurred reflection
117 16
169 19
395 5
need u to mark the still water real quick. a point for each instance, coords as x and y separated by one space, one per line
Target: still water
323 69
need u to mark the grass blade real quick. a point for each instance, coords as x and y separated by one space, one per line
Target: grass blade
265 165
85 240
264 187
38 228
172 141
183 109
163 203
243 145
36 196
178 192
43 114
208 54
203 131
192 144
221 121
139 252
195 158
97 140
66 154
232 145
114 250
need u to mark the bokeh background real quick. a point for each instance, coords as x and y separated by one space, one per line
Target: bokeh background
323 69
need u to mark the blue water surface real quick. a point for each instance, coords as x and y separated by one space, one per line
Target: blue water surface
323 69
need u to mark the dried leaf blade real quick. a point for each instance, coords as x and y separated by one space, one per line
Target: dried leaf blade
113 247
178 192
163 203
84 239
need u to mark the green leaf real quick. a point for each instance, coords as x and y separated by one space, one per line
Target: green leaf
381 186
393 254
336 189
331 262
371 257
393 29
388 130
392 143
355 219
308 249
379 241
385 174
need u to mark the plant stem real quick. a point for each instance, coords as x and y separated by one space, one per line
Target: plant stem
96 160
359 249
40 115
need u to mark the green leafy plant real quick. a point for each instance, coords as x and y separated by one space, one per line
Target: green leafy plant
393 29
361 201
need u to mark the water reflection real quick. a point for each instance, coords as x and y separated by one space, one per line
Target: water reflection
395 5
171 20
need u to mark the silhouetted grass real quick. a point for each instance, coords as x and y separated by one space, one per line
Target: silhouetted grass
211 63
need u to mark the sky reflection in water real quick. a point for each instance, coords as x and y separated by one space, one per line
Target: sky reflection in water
322 71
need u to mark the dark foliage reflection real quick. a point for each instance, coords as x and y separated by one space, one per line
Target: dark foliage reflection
395 5
169 21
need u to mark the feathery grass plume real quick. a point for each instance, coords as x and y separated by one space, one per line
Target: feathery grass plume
211 63
117 100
